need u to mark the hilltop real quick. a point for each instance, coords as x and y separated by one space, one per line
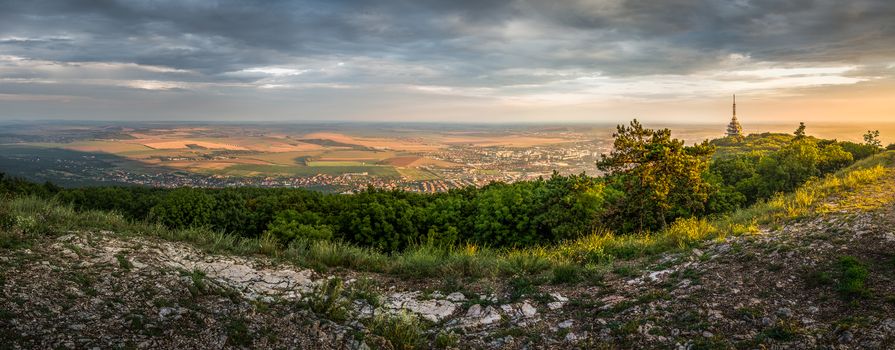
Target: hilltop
816 269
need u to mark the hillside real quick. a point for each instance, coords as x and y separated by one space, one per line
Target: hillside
815 268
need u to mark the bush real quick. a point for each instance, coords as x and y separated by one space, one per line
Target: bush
185 207
290 225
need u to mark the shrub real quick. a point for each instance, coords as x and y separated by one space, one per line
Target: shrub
185 207
290 225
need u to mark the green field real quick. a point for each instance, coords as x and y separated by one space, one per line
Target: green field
418 174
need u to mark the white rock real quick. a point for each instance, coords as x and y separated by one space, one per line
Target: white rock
519 310
888 325
456 296
611 300
658 275
558 297
164 312
479 316
555 305
566 324
528 310
432 310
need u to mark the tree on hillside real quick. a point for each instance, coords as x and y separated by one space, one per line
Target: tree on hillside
660 176
185 207
800 132
871 138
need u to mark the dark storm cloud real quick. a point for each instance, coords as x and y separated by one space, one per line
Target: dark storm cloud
676 35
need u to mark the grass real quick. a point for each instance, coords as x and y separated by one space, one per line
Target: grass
402 331
848 274
123 262
365 289
24 218
238 333
852 283
327 300
446 340
783 330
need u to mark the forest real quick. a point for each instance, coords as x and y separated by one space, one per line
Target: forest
650 180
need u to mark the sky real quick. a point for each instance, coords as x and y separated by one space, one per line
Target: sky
457 60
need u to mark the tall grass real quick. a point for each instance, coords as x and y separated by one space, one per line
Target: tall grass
34 217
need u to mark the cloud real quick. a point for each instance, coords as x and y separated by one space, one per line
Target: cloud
554 52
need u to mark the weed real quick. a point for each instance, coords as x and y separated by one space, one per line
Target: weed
326 300
749 313
783 330
852 283
136 322
123 262
444 340
626 271
238 333
520 287
566 274
819 279
84 281
365 289
403 331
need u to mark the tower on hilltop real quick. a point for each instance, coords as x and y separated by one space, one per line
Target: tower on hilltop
734 128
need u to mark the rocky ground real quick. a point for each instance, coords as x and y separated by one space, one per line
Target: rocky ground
826 281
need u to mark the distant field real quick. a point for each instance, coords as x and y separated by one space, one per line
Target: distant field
356 155
417 174
412 162
376 143
178 144
297 170
507 141
286 158
114 147
335 163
